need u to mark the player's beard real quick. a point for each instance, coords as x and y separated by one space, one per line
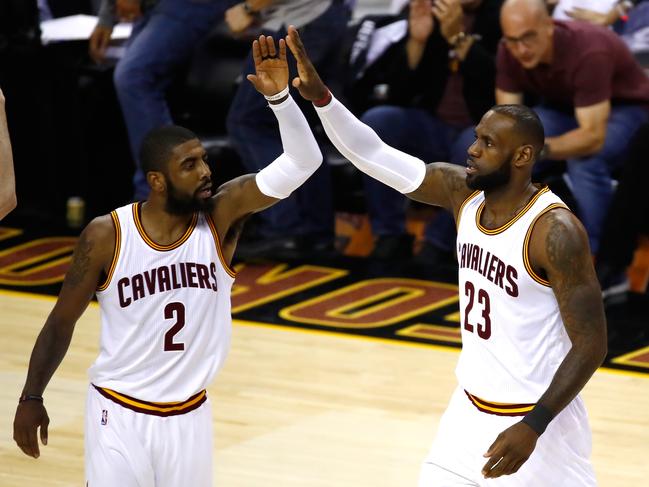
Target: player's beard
497 179
180 204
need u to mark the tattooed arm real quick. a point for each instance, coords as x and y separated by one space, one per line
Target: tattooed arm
444 185
92 255
559 250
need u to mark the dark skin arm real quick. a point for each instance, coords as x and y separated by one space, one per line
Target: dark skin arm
92 257
559 250
444 184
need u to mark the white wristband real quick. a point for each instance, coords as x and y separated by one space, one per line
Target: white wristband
277 96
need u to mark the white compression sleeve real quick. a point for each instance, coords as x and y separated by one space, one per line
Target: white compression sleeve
363 148
301 155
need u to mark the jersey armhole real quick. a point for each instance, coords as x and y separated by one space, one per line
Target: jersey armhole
526 244
217 242
118 243
464 203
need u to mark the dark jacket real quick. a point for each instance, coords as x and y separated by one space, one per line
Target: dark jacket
424 86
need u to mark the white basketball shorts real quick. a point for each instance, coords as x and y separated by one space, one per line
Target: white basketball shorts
128 448
561 457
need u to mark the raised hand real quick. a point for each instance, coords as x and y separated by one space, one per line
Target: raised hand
450 16
308 81
511 449
271 70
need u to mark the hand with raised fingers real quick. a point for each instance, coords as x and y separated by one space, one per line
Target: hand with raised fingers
308 81
271 67
510 451
450 16
30 415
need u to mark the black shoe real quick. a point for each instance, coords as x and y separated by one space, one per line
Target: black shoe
432 256
391 247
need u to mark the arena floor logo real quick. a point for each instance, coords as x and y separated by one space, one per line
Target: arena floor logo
346 297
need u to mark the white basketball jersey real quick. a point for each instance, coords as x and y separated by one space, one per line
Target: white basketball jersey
165 312
513 338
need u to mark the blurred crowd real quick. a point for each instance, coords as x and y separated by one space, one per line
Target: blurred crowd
421 76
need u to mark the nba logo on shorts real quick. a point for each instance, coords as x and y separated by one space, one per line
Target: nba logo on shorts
104 417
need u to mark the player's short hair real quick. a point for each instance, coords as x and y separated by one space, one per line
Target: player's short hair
527 124
157 145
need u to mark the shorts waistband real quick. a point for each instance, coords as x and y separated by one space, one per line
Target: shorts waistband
498 408
154 408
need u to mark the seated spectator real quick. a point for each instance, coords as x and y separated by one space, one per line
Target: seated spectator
594 94
628 218
432 70
305 220
165 33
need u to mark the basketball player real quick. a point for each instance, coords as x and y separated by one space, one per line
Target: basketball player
161 273
533 326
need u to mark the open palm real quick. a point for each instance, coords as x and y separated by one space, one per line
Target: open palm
271 69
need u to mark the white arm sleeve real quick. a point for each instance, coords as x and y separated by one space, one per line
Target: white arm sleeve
301 155
363 148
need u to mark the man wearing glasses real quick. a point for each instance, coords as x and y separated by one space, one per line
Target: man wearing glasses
593 93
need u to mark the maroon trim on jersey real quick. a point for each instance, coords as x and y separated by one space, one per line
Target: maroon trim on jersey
137 211
219 249
118 242
154 408
499 409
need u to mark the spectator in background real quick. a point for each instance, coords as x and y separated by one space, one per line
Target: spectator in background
7 179
627 219
305 220
594 97
434 74
165 33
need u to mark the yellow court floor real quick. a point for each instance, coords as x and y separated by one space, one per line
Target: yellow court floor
300 409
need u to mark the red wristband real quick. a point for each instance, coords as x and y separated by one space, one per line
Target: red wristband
324 101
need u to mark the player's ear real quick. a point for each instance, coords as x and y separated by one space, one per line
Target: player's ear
524 155
157 181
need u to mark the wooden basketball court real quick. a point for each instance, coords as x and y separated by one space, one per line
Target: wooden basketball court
298 408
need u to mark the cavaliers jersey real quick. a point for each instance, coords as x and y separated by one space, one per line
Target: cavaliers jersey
165 313
513 337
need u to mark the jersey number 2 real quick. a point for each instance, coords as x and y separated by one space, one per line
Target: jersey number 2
484 330
174 310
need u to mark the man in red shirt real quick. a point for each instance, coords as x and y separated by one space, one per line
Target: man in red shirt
594 96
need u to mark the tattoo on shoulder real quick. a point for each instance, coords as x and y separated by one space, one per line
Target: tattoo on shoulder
455 181
80 262
561 245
